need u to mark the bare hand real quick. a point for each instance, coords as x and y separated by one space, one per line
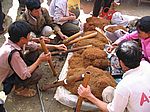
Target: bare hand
71 14
62 47
111 48
46 39
72 18
63 37
84 92
44 57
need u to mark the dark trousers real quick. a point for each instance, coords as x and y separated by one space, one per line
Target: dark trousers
70 28
14 79
2 109
2 16
98 4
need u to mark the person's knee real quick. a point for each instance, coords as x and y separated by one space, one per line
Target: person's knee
69 29
47 30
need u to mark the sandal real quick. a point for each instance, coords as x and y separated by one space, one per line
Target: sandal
26 92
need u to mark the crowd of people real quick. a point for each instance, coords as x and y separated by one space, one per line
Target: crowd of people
19 71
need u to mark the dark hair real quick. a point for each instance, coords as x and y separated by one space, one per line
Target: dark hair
18 29
129 53
33 4
143 24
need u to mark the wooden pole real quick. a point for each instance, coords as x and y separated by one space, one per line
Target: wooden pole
102 32
43 45
72 37
70 50
81 38
80 99
66 81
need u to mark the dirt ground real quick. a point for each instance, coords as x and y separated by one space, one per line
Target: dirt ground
20 104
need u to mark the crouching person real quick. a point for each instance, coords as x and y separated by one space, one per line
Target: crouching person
14 71
133 91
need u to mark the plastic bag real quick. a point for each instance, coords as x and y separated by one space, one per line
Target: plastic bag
67 98
115 35
118 19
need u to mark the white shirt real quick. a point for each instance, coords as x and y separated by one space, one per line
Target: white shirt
133 91
58 9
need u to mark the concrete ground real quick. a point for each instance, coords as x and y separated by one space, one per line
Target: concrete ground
20 104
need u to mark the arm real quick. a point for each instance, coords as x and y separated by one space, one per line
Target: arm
21 68
32 46
131 36
86 93
52 47
42 58
51 23
62 14
46 39
118 104
67 18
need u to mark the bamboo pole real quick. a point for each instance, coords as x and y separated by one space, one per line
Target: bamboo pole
102 32
72 37
80 99
43 45
67 81
81 38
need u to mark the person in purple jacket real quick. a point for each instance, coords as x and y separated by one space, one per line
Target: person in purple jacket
142 33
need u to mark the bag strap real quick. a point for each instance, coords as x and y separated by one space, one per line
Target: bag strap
10 56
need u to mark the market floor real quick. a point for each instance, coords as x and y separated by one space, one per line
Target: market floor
20 104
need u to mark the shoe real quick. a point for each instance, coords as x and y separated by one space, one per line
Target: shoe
26 92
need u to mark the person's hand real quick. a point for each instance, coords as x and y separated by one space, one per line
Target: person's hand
71 14
84 92
115 4
63 37
61 47
72 18
44 57
46 39
111 48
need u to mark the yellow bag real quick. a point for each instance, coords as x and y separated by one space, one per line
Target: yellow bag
73 4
